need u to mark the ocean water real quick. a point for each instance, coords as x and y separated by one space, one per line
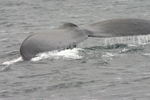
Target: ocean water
98 69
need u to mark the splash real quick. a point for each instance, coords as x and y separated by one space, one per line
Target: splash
67 54
131 40
12 61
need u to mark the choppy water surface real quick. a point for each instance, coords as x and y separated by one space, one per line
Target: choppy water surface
98 69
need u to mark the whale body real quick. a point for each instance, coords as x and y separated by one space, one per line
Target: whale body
69 35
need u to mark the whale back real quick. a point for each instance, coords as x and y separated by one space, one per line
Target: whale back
69 34
62 38
120 27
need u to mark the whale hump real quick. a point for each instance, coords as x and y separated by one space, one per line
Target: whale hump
68 25
58 39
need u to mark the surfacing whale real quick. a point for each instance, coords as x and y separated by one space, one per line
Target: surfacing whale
69 35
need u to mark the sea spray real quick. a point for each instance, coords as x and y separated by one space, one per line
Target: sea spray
134 40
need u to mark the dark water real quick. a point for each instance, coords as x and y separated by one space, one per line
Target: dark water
93 71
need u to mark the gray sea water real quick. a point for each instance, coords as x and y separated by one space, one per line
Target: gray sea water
98 69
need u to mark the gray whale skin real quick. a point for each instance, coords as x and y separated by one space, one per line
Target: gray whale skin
69 35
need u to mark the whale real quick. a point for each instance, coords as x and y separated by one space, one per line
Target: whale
68 35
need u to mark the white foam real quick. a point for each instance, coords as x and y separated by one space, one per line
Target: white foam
146 54
67 54
12 61
108 54
124 50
